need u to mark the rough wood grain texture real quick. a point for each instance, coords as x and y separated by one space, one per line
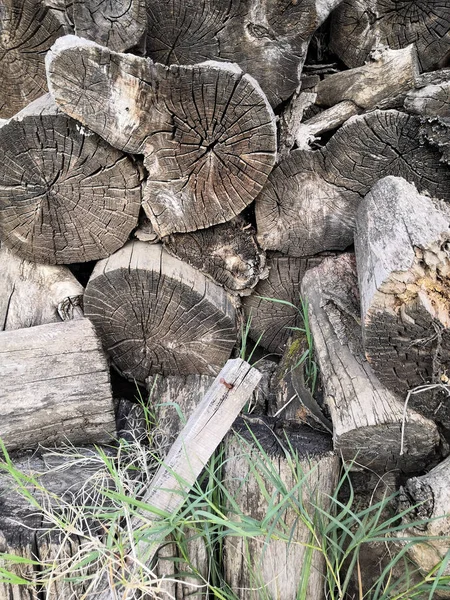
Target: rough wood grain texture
276 565
367 417
401 247
65 194
156 314
267 38
55 386
360 26
310 201
33 294
291 119
272 320
228 253
27 31
145 231
206 131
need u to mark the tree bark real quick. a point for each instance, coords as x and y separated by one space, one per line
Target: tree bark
207 132
55 386
403 265
65 195
367 417
156 314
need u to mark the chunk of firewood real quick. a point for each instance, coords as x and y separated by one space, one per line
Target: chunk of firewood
368 420
156 314
401 249
360 26
65 194
55 386
310 201
207 132
258 567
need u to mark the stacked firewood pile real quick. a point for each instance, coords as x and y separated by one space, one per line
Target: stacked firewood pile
174 172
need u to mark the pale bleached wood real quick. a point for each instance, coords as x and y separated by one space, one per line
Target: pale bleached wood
367 417
55 386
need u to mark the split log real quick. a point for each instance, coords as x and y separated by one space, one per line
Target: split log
228 253
310 201
207 132
65 195
270 320
257 567
267 39
156 314
367 417
33 294
55 386
27 30
360 26
145 231
403 266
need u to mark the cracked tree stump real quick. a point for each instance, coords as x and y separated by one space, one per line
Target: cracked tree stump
156 314
206 131
55 386
401 249
65 194
367 417
310 201
33 294
360 26
257 567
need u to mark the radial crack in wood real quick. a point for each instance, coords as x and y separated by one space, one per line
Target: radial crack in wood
367 417
207 131
65 194
156 314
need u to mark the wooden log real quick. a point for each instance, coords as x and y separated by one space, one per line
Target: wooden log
267 39
403 266
65 195
55 386
33 294
257 567
310 200
208 134
228 253
360 26
368 420
156 314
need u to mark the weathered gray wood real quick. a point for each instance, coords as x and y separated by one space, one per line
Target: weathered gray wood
156 314
65 195
207 131
291 119
367 417
276 565
360 26
403 264
55 386
34 294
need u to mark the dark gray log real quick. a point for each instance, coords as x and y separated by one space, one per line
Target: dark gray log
267 39
207 132
156 314
403 266
65 194
55 386
360 26
367 417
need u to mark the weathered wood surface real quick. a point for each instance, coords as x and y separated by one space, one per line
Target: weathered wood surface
34 294
156 314
207 132
276 565
65 194
55 386
403 266
367 417
360 26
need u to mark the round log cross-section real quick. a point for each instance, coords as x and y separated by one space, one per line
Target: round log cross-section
156 314
65 194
